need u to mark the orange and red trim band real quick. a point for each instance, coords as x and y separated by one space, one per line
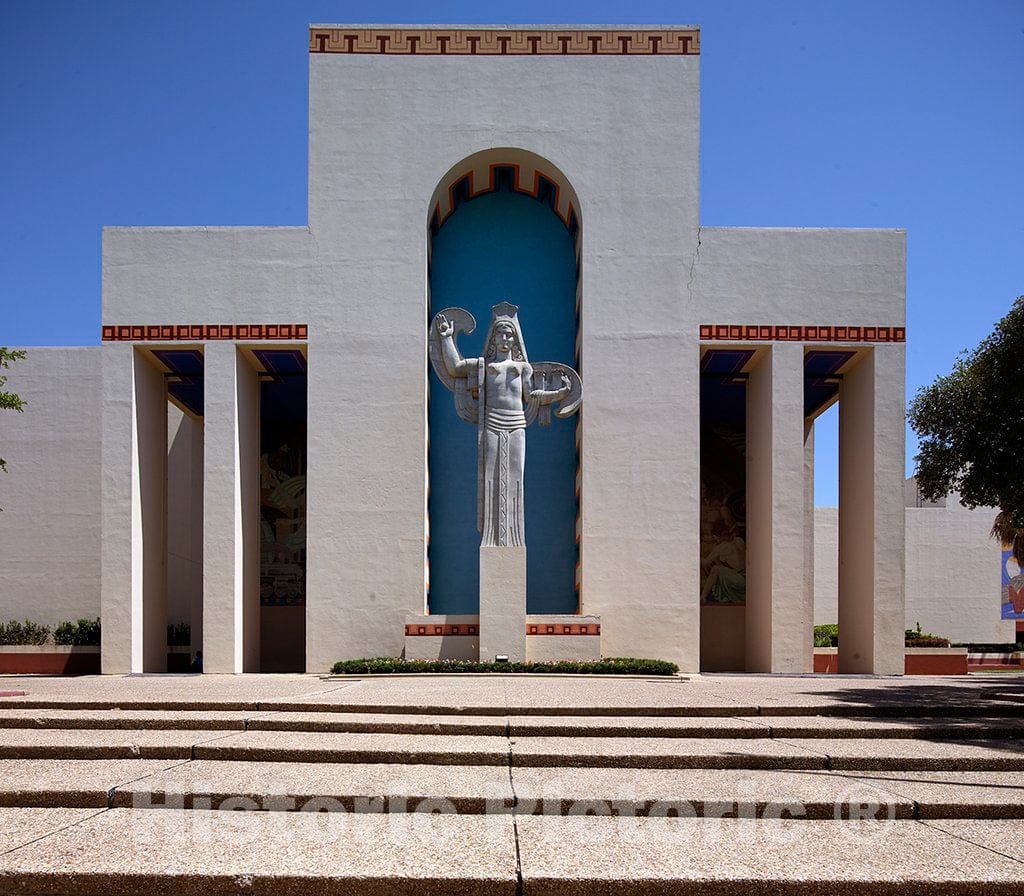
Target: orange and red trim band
504 42
800 333
202 332
447 630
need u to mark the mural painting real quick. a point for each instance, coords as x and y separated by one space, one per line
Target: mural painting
723 548
1012 585
282 497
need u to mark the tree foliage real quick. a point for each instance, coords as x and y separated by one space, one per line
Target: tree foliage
969 426
9 400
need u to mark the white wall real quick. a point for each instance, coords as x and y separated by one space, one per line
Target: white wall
826 565
383 131
953 574
952 585
50 524
789 275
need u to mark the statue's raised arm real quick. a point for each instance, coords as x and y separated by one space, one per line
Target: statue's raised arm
459 375
454 363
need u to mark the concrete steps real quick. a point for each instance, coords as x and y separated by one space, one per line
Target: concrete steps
353 787
339 797
91 853
327 720
518 751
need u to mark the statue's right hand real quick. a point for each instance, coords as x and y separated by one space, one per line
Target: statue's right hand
444 326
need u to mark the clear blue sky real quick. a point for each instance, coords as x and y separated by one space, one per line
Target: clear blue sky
858 114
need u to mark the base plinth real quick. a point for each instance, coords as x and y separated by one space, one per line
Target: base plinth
503 603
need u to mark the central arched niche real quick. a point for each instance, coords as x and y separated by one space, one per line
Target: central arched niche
504 226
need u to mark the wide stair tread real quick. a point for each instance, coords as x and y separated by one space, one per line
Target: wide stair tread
836 753
982 728
392 787
83 851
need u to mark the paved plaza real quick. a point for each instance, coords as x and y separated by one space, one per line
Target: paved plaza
511 784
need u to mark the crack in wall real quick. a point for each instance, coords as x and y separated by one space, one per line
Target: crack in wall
693 266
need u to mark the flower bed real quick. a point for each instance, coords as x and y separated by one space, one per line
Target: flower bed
49 659
917 660
383 665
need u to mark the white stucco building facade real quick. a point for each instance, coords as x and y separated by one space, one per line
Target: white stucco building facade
286 552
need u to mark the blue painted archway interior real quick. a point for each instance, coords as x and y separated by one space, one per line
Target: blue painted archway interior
498 246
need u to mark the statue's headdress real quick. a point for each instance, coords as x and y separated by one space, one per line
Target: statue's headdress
505 314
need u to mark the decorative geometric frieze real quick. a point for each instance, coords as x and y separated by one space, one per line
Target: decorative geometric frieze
558 628
434 631
503 42
804 333
431 630
202 332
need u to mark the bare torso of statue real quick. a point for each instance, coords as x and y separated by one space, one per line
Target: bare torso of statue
505 384
499 393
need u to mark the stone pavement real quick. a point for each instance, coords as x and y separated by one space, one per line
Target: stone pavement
509 784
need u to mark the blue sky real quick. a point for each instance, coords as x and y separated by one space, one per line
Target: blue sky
859 114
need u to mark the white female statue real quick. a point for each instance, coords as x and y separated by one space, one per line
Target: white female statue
502 393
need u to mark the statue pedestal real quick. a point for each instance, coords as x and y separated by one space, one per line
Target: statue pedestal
503 603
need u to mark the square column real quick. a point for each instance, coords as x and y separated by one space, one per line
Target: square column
871 514
779 614
231 512
133 595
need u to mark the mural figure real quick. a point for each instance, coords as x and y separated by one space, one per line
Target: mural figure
501 393
1013 585
283 523
723 564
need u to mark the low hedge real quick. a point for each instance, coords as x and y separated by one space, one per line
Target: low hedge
826 636
84 633
988 647
179 635
23 633
385 665
927 641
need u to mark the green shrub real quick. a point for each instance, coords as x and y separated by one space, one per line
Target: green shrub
21 633
926 641
84 633
385 665
914 637
179 635
826 636
989 647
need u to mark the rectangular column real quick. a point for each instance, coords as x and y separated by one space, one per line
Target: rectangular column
185 521
871 514
779 615
231 495
807 647
149 513
133 596
503 603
